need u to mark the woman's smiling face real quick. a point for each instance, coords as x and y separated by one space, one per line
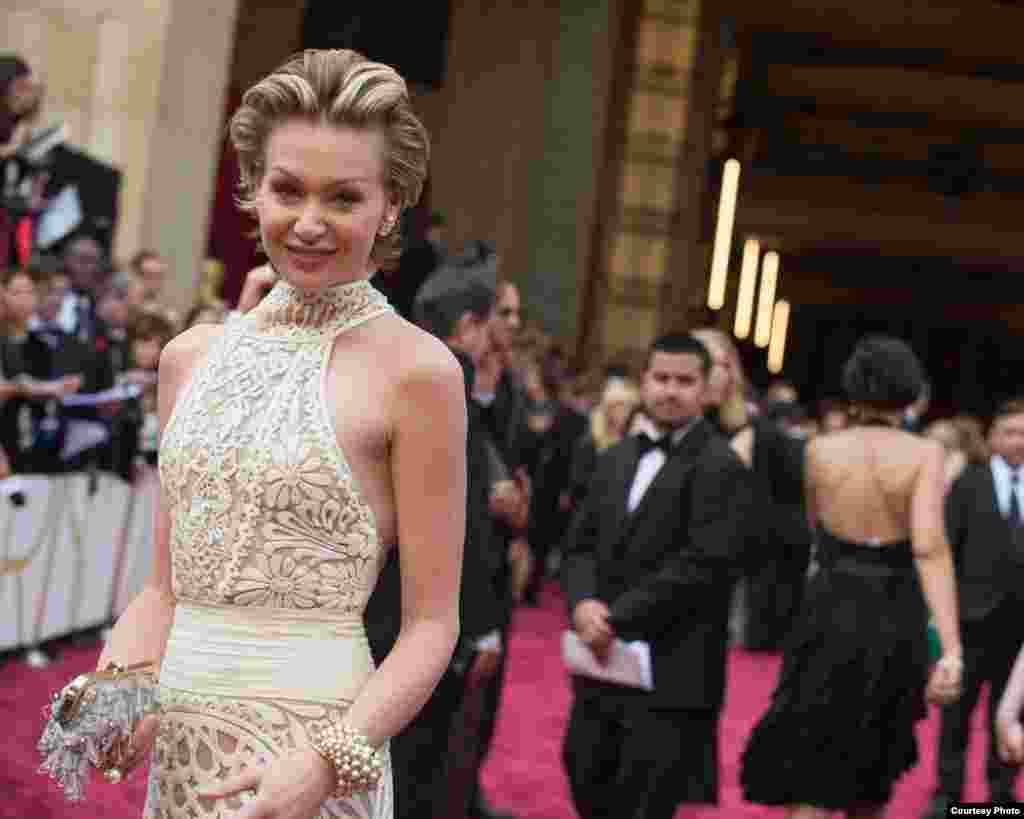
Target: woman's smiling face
322 201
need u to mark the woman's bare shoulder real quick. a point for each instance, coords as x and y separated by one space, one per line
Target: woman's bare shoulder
890 446
186 349
418 361
417 353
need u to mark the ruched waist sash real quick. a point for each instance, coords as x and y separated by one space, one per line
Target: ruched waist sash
250 651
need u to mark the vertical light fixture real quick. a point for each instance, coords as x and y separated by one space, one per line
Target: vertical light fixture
723 234
780 328
748 287
766 298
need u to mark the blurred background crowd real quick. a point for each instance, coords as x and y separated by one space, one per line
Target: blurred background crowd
595 211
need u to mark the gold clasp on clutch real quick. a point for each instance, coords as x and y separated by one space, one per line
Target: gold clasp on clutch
81 690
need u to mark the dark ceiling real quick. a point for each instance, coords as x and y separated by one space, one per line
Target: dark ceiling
882 141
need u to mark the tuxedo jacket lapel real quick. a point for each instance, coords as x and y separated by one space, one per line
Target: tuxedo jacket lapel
626 460
670 476
1000 523
992 511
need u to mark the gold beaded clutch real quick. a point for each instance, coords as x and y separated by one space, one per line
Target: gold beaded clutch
91 721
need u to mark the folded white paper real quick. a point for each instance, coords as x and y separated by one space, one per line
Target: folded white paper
93 399
628 663
83 435
62 215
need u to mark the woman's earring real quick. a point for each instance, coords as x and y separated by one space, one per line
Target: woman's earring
386 227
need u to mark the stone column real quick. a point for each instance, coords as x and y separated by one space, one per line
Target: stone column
141 87
683 296
186 138
564 180
648 272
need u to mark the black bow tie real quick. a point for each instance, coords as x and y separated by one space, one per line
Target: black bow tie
645 443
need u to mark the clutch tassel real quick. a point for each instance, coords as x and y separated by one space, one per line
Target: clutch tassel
87 720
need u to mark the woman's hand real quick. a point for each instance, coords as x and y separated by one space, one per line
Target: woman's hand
1010 738
130 754
292 787
946 679
258 282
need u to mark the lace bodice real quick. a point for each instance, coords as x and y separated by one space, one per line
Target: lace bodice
264 507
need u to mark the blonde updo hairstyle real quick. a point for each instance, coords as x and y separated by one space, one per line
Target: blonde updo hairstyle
340 88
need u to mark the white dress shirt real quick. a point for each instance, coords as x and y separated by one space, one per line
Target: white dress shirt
1002 476
652 462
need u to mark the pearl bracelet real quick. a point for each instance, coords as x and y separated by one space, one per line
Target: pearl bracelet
951 662
357 766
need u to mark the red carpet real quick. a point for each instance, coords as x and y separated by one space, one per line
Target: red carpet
523 774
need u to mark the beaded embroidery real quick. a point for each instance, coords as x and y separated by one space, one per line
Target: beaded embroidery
264 507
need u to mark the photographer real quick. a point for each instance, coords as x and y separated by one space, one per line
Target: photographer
21 183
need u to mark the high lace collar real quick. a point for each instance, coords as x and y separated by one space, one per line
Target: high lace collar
288 310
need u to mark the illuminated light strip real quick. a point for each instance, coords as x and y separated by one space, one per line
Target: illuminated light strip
723 234
748 288
780 328
766 299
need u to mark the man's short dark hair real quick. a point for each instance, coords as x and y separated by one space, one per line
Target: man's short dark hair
439 315
677 344
1015 406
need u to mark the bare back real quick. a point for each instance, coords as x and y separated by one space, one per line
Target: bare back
861 483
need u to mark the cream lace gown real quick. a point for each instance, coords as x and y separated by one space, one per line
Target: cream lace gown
274 556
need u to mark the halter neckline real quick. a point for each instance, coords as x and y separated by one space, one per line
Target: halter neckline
290 308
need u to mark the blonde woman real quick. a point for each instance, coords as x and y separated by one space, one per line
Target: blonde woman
726 395
609 421
964 441
294 444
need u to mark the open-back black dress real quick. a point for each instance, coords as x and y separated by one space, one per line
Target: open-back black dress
840 728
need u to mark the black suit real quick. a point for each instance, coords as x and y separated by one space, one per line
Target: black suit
667 573
506 420
990 579
550 466
418 754
31 430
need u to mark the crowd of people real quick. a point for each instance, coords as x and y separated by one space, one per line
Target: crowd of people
75 326
79 354
673 504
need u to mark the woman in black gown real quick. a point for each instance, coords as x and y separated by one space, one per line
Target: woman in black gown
840 729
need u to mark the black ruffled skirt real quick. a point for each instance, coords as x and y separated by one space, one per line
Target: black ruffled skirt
840 727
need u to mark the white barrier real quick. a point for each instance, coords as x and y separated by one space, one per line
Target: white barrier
74 554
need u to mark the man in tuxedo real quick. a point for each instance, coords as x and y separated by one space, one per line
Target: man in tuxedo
984 523
457 310
654 554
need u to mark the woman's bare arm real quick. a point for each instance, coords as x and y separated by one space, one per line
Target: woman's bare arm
1008 723
932 552
141 632
428 464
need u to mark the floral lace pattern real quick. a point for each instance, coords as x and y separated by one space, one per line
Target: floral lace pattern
265 512
204 739
264 506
